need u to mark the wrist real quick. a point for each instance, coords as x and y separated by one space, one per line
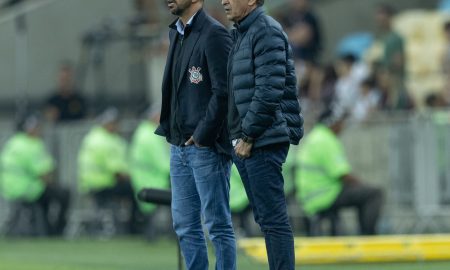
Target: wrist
247 139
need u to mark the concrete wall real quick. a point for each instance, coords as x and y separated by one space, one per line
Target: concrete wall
54 34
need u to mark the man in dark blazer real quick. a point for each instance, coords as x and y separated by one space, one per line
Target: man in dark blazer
193 120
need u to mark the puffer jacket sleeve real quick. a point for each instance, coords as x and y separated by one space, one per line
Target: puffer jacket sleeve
269 54
290 105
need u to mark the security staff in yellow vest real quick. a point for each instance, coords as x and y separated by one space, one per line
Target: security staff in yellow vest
149 158
149 163
26 174
324 180
103 165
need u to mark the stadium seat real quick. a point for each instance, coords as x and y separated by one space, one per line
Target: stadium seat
425 46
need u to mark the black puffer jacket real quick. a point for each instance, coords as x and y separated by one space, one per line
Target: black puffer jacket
262 78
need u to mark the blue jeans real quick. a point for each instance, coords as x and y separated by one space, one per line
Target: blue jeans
263 182
200 188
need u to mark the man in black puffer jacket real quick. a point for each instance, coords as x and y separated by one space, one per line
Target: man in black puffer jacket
263 119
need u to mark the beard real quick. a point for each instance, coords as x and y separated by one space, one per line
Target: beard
181 7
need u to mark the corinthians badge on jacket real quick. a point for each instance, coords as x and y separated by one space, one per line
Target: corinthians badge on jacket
196 77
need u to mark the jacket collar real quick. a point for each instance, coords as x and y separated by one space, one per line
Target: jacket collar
245 24
196 23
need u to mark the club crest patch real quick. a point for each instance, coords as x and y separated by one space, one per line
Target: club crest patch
196 77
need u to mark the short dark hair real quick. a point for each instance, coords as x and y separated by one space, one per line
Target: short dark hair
349 58
332 115
260 2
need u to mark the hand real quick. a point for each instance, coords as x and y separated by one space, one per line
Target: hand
191 142
122 177
243 149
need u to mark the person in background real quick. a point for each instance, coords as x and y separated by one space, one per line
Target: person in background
66 103
324 178
351 73
393 45
387 54
26 175
327 84
149 164
367 100
103 168
392 99
303 28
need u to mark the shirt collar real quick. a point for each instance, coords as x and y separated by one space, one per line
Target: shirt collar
180 26
245 23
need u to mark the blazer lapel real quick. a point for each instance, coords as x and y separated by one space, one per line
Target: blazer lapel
168 68
189 44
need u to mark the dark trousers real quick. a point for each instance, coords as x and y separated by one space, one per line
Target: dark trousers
366 199
263 182
121 191
54 197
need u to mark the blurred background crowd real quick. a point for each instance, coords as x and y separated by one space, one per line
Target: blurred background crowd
79 93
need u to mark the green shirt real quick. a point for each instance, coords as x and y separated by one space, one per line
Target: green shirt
393 45
322 162
238 196
289 168
24 160
149 161
102 155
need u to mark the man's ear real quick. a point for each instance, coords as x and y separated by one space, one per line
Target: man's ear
252 2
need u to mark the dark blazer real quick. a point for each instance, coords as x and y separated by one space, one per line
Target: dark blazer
262 78
202 87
